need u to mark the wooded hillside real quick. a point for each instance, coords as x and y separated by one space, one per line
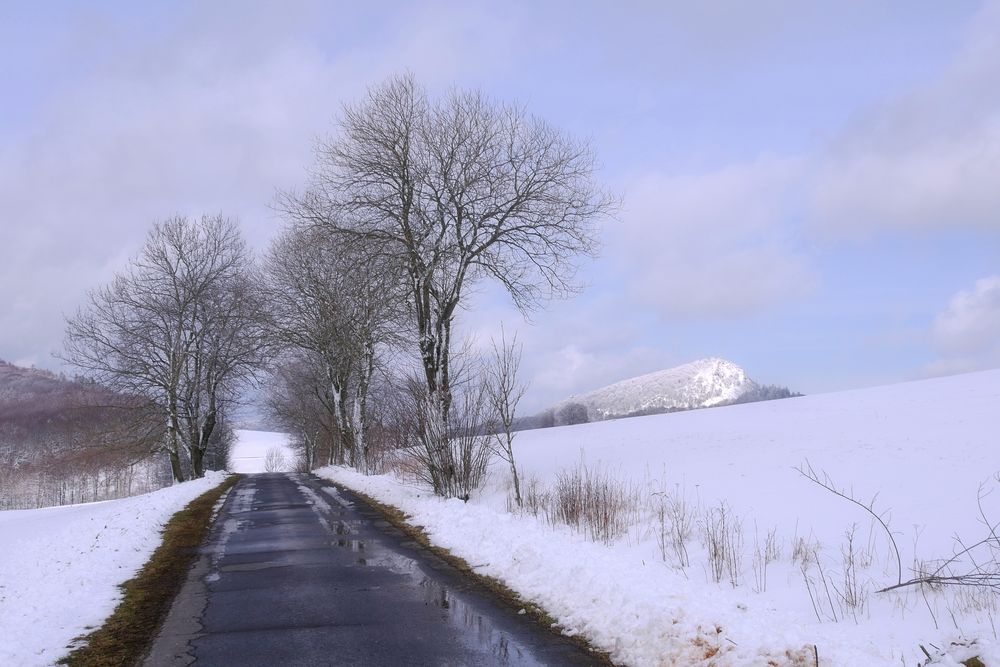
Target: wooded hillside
67 441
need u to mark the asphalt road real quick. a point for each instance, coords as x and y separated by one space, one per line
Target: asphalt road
296 572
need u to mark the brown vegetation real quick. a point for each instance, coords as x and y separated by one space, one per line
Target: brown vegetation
127 634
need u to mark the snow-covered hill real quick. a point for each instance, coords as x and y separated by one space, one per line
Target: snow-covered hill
699 384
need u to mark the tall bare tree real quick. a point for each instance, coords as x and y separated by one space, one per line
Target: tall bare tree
181 327
455 190
343 310
229 344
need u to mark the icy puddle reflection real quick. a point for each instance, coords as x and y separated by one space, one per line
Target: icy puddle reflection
476 630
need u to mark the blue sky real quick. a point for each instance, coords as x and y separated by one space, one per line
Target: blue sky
810 189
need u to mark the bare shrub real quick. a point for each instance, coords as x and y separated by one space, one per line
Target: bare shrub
812 590
662 523
274 460
977 601
535 499
567 499
971 565
593 501
804 551
819 588
974 565
405 464
824 480
764 553
852 594
675 520
866 556
722 532
453 451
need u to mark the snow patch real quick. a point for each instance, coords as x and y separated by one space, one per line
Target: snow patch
249 452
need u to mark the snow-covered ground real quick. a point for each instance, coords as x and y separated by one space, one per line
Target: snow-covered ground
60 567
924 447
250 452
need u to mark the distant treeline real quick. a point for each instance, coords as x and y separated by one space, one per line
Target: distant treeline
576 413
763 392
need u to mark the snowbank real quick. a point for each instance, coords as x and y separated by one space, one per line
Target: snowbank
923 447
60 567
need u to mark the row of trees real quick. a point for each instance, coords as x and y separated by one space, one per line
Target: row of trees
421 198
412 202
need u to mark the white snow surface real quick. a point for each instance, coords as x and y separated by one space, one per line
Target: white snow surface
249 452
924 447
698 384
60 567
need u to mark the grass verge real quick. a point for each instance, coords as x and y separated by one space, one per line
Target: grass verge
500 590
128 632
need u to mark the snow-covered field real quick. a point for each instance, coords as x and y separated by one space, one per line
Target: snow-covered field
250 452
60 567
924 447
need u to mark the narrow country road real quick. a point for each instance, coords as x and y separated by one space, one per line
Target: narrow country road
296 572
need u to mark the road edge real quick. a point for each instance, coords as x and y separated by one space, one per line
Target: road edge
128 632
508 596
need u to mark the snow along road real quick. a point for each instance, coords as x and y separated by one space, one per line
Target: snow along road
296 572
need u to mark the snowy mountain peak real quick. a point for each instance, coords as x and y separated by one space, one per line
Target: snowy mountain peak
698 384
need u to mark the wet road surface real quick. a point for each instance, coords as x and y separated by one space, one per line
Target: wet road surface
296 572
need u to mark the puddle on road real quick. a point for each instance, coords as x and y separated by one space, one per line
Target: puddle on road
477 631
242 503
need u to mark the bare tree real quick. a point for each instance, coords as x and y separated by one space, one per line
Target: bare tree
229 344
299 400
342 309
504 392
181 327
452 191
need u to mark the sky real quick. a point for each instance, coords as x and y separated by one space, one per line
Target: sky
811 190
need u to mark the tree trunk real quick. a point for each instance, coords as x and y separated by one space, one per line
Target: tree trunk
343 418
175 466
197 462
198 459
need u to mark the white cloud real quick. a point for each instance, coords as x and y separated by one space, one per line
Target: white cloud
967 333
203 115
572 369
928 159
713 244
571 346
